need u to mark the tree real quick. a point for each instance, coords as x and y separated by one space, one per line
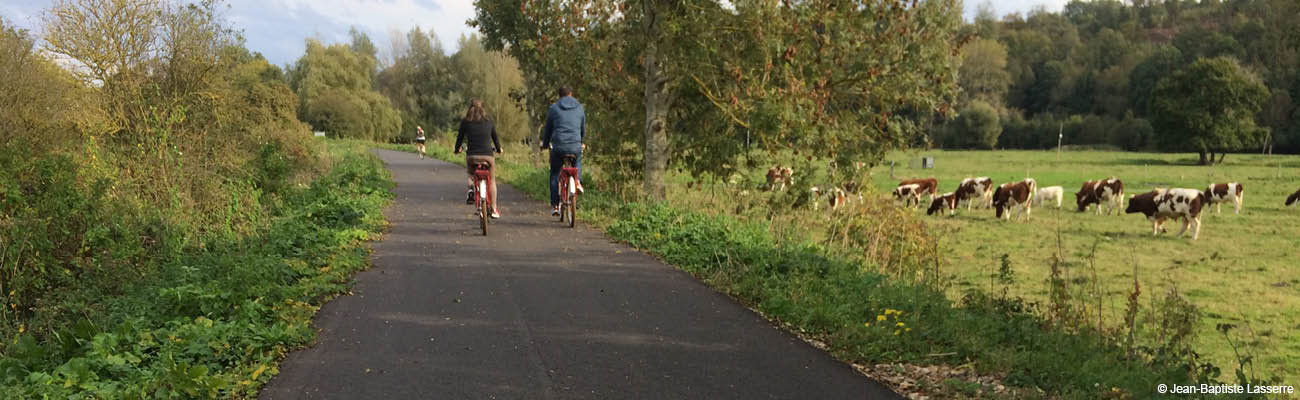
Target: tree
832 78
983 74
1209 107
1144 77
495 78
334 87
977 126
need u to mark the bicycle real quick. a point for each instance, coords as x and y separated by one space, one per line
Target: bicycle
483 204
568 190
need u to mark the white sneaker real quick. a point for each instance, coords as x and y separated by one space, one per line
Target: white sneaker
495 215
555 212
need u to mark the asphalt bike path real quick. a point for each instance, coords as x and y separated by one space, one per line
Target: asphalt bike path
538 310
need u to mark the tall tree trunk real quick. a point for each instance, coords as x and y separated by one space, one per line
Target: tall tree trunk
1203 161
655 149
1221 156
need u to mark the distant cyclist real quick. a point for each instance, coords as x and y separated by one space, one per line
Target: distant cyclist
566 124
419 139
480 136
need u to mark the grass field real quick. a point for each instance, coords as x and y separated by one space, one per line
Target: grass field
1243 270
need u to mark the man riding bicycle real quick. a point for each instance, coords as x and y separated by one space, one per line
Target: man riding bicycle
480 136
566 124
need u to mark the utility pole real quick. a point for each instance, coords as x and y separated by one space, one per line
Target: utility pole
1060 133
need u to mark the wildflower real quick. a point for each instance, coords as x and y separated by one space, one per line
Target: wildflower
907 330
880 318
895 333
867 324
900 324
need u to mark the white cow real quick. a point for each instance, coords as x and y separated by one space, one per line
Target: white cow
1049 194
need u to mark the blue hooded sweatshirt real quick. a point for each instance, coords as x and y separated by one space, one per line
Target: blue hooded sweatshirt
566 123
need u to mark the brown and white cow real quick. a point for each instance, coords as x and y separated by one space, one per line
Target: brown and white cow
909 194
1013 195
1161 204
1033 187
924 187
779 177
1109 192
1219 193
946 201
1294 199
973 190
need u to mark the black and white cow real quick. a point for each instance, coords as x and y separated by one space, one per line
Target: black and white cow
1161 204
1219 193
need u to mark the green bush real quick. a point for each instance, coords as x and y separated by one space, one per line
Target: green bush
212 321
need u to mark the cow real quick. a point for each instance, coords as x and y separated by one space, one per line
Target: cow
1161 204
1293 199
971 189
945 201
1049 194
779 177
1013 195
836 197
925 186
1219 193
1033 188
1109 192
908 193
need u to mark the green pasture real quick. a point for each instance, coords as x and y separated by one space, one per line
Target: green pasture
1243 270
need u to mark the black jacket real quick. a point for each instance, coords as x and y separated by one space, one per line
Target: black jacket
476 135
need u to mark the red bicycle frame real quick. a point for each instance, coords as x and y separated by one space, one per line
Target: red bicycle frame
482 177
568 190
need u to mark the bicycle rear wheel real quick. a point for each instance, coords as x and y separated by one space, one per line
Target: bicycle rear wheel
484 208
573 208
564 202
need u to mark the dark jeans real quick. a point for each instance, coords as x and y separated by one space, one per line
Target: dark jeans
557 163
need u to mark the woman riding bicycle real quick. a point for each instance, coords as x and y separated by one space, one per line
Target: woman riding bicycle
480 136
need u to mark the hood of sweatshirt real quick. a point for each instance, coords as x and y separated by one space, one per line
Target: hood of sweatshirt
568 103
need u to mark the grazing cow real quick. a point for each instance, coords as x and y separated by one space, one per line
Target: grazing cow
1013 195
980 188
1161 204
1219 193
1293 199
779 177
947 200
908 193
1109 192
1049 194
925 186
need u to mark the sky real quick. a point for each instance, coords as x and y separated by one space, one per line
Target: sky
279 28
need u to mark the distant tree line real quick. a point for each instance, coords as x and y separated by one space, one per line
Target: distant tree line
347 90
1168 75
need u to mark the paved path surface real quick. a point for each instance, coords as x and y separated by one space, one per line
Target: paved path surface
538 311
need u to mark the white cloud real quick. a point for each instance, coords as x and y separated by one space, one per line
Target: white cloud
278 28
